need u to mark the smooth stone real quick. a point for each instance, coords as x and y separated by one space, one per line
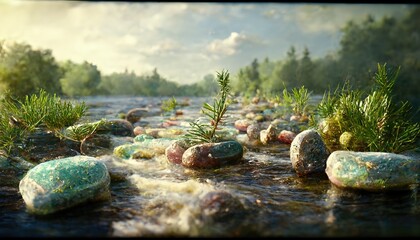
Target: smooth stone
63 183
135 114
116 127
175 151
253 131
146 148
373 171
308 153
212 155
286 136
242 124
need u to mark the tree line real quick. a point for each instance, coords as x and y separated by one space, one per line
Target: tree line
25 71
395 41
390 40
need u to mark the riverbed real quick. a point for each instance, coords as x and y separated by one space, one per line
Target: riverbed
161 199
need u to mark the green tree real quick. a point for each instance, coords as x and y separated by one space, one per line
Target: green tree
25 71
80 79
289 70
305 70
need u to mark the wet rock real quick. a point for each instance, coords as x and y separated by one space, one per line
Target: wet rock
372 171
63 183
269 135
135 114
253 131
308 153
42 145
286 136
143 148
175 151
116 127
242 124
97 144
212 155
220 206
12 170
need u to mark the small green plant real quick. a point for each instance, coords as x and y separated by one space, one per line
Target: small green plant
18 118
297 100
200 133
372 123
81 132
169 105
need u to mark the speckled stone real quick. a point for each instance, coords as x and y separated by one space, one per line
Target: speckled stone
63 183
175 151
286 136
308 153
373 171
212 155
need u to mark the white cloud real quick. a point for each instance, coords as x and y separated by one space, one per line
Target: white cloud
228 46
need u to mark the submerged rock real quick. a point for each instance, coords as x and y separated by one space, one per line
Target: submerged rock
63 183
220 206
42 145
372 171
212 155
308 153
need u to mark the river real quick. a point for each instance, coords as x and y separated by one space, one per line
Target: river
161 199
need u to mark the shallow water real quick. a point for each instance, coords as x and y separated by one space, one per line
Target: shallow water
161 199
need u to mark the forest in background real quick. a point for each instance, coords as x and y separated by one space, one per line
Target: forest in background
395 41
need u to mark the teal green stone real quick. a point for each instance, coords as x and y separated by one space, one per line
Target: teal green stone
155 145
142 138
59 184
372 171
227 152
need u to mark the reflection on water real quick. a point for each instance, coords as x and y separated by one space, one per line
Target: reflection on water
262 196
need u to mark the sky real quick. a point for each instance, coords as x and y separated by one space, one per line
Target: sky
184 41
